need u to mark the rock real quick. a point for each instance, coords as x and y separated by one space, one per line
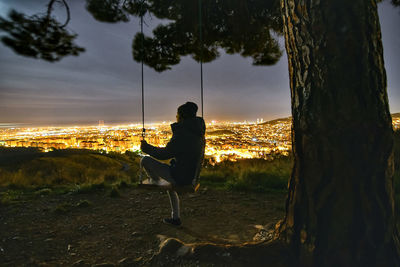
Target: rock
162 238
124 262
204 191
83 204
170 246
129 262
263 235
135 234
183 251
264 232
80 263
174 247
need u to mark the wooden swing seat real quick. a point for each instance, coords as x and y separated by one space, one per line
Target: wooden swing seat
177 188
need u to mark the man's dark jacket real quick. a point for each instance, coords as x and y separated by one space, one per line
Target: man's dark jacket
186 147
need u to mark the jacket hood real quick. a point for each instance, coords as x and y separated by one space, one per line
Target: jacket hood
195 126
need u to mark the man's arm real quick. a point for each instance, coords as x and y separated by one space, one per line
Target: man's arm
160 153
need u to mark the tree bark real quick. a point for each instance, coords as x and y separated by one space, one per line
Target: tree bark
340 207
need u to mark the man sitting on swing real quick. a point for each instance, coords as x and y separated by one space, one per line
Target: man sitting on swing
186 151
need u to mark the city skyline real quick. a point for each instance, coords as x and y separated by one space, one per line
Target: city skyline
225 141
104 82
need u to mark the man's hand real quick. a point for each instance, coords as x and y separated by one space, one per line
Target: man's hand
143 143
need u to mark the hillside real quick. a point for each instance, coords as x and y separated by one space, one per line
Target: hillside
288 119
28 167
275 121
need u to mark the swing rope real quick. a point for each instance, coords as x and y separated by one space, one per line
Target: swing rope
201 63
141 59
201 58
201 83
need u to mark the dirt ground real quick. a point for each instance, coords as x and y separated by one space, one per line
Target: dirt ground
94 228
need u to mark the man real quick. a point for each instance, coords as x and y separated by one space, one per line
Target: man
186 151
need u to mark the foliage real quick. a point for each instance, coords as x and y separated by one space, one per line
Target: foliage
248 28
38 36
11 159
249 175
75 168
44 191
244 27
86 171
10 196
107 10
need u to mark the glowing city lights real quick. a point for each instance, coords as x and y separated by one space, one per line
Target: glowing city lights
225 140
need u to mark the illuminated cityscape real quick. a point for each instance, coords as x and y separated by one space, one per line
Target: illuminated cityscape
225 140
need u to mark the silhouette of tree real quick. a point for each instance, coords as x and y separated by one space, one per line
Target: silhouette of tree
340 208
108 10
39 36
248 28
243 27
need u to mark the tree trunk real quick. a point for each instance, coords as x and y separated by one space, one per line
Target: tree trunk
340 207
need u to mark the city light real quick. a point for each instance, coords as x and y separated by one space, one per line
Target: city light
224 140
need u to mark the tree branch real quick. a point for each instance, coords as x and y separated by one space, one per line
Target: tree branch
68 14
50 9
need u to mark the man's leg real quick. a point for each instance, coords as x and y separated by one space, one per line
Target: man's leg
174 201
156 170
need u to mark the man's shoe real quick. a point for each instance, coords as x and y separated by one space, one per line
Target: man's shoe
160 182
148 181
175 222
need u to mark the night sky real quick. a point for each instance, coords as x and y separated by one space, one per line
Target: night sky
103 83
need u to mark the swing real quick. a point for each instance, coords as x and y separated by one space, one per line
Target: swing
194 187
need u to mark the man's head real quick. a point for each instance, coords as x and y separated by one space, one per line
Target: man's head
186 111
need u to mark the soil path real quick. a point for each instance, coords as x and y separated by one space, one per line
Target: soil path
93 228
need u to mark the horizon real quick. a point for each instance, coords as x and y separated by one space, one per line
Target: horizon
136 124
121 123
